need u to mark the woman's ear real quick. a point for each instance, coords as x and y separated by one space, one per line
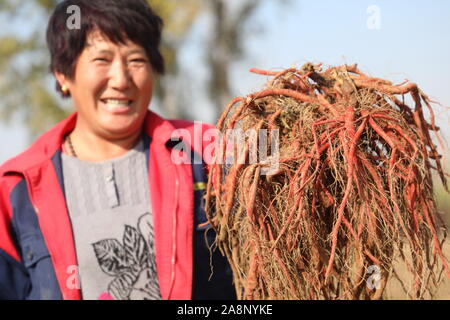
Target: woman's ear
63 83
61 78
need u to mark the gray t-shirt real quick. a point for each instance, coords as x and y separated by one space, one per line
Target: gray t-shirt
109 207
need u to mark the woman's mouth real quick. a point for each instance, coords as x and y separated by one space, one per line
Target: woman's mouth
116 106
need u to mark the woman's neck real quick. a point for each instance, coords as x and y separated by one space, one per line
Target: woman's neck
92 147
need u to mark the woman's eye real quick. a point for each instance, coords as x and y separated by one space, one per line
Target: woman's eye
101 59
139 60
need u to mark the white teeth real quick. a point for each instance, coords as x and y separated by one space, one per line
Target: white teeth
117 102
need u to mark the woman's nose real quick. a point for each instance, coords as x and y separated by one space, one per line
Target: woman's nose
119 76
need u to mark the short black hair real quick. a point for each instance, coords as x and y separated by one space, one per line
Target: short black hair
118 20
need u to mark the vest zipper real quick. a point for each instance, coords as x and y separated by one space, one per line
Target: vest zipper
174 235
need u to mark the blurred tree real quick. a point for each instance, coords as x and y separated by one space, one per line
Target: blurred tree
23 66
178 17
226 46
232 21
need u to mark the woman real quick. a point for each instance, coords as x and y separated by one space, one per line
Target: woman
96 208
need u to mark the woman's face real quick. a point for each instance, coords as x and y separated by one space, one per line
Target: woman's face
112 87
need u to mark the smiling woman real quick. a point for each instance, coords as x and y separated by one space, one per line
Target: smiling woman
99 193
108 72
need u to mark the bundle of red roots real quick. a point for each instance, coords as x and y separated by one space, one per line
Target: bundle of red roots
351 194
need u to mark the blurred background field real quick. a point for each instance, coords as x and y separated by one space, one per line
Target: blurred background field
443 200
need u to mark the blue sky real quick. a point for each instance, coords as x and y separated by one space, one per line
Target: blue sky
412 42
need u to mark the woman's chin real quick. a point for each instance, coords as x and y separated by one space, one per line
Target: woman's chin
121 128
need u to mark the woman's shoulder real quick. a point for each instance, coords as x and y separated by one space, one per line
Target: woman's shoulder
41 150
